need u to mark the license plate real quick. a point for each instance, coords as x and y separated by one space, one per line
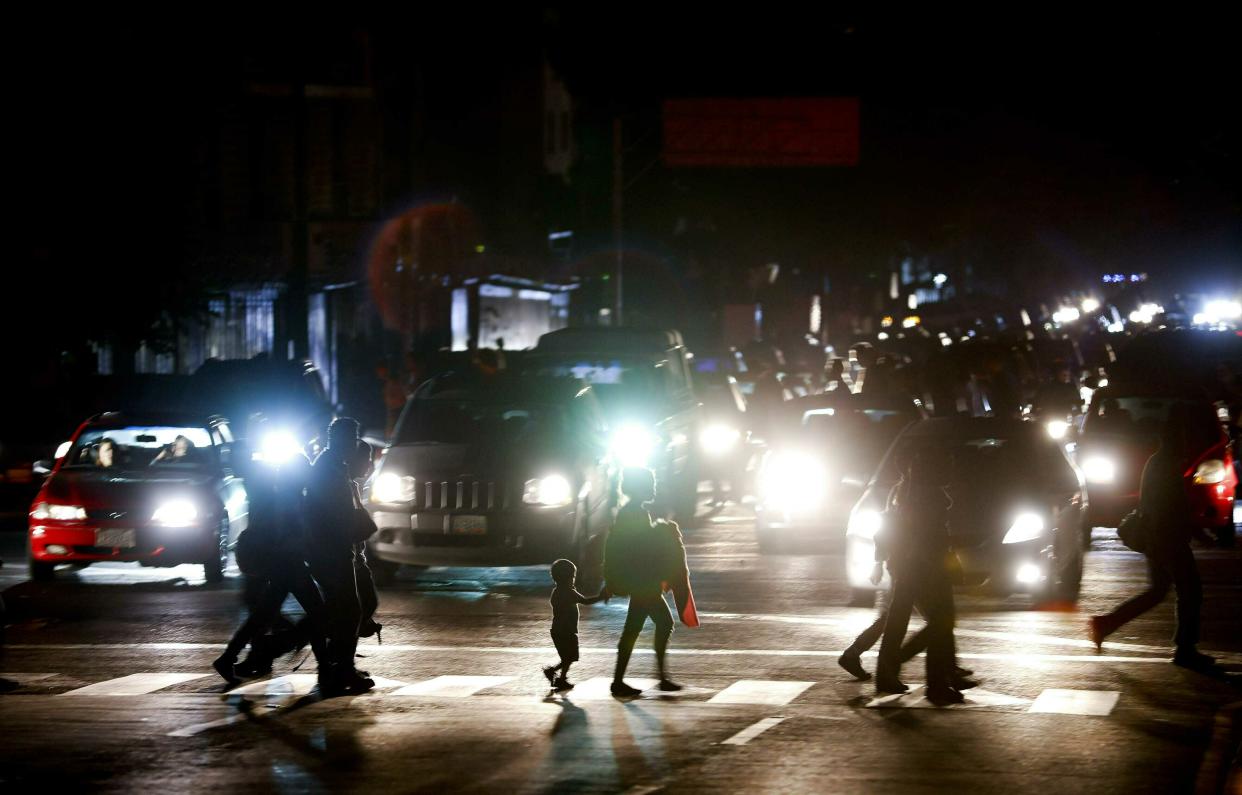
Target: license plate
469 525
115 537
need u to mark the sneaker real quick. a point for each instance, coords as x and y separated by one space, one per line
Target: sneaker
255 664
224 666
1193 659
944 696
891 687
964 683
1095 629
550 673
622 690
669 686
563 684
962 672
852 663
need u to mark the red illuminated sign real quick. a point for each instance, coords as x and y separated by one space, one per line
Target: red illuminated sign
761 132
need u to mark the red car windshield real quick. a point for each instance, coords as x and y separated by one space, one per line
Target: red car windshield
138 447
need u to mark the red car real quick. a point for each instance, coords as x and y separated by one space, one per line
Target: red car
1121 431
159 490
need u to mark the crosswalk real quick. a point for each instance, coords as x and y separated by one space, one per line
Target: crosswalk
753 692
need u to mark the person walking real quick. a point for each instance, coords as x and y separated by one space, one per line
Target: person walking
565 600
918 544
272 557
1168 531
640 558
332 513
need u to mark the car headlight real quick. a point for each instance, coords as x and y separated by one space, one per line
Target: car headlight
865 523
632 445
175 513
793 482
1057 428
1210 472
550 490
1098 469
391 487
1027 526
719 439
277 447
60 513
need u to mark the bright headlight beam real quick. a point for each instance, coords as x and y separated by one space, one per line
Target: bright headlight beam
1057 428
1098 469
718 439
793 482
632 445
175 513
865 523
1027 526
549 490
391 487
277 447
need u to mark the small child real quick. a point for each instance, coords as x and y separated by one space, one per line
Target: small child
565 600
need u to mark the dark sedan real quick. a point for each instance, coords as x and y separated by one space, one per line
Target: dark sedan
1017 519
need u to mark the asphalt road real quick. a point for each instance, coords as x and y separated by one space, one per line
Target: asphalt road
117 693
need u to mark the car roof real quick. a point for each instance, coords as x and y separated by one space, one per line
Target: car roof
608 339
501 388
119 419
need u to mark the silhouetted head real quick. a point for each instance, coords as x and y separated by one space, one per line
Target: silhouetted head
564 571
343 435
638 483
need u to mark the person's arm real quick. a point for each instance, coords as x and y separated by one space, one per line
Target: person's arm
590 600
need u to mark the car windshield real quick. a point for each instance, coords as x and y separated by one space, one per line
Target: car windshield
140 447
982 461
619 383
1144 417
447 421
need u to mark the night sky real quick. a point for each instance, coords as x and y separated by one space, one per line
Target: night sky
1045 147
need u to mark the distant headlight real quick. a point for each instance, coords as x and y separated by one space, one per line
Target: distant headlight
632 445
719 439
793 482
175 513
391 487
277 447
865 523
551 490
60 513
1057 428
1210 471
1026 527
1098 469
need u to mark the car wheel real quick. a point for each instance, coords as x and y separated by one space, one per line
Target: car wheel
213 568
42 572
862 597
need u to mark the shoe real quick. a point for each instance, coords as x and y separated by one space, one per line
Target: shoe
550 673
964 683
358 682
563 684
944 696
669 686
853 665
962 672
1095 628
370 628
1193 659
225 666
622 690
891 687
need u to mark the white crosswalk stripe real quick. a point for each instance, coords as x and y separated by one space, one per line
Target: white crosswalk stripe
917 699
760 691
752 731
452 686
1076 702
134 684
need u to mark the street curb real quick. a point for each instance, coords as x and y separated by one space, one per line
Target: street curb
1220 771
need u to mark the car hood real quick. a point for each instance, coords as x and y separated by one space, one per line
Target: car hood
979 514
93 489
436 461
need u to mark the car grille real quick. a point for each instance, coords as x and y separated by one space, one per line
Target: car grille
105 514
461 495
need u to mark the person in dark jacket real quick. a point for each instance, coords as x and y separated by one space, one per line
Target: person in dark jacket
918 561
368 597
331 503
640 557
272 557
1167 519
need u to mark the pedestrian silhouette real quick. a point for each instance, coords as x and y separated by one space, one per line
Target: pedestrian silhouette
565 600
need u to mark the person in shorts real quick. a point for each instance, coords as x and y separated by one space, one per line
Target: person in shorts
565 600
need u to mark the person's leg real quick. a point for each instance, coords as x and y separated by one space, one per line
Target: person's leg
335 576
1180 564
313 628
663 619
1158 581
901 602
368 597
936 605
635 617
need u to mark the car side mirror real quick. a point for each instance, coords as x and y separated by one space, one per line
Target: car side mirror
43 467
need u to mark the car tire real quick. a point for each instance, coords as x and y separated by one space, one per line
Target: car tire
213 568
862 597
42 572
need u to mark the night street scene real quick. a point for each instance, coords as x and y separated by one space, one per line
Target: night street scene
621 399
